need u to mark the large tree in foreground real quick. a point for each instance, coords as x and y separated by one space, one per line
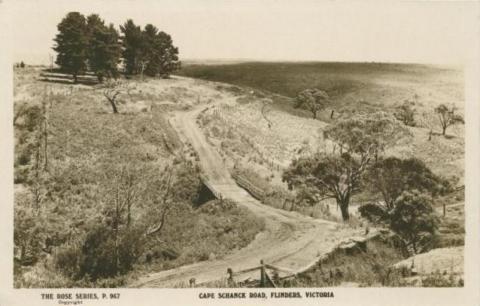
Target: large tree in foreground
329 175
366 135
356 144
407 187
71 44
391 176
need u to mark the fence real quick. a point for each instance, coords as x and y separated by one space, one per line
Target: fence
222 114
267 278
270 275
67 78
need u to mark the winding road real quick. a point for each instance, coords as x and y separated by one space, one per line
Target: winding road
290 240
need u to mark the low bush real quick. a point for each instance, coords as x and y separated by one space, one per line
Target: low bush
101 254
369 267
438 279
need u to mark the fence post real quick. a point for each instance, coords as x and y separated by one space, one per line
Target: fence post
230 280
262 274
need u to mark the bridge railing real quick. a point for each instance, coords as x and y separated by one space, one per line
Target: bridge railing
255 191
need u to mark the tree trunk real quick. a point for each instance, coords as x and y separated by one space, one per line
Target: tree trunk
414 246
45 139
22 253
343 202
331 114
75 79
344 210
292 207
114 106
129 216
444 129
115 233
314 115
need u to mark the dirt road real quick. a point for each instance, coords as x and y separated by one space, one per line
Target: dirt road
290 240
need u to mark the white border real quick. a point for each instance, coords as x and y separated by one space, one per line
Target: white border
469 295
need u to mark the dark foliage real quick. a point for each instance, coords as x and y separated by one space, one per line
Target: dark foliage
339 175
411 217
406 113
71 44
331 176
132 46
87 44
391 176
313 100
104 49
447 116
102 253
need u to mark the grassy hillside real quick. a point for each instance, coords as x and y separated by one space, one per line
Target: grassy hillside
75 161
79 170
359 85
258 142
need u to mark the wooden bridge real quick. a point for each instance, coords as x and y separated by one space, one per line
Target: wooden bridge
210 187
256 192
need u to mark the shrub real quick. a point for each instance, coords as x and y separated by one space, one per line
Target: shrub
411 217
436 279
406 113
68 259
100 254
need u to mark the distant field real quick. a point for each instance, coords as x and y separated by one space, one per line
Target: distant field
364 85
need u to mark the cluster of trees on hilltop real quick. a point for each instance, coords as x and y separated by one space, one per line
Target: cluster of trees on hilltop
88 44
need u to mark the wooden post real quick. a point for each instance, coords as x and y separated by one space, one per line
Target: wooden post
262 275
230 280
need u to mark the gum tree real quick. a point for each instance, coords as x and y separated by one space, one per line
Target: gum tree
339 175
447 117
411 217
313 100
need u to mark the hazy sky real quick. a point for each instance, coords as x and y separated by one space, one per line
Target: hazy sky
436 32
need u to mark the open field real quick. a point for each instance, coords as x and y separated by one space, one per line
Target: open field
358 86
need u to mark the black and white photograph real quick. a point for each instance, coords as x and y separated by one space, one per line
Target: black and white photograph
263 150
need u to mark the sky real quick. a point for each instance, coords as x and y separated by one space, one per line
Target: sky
302 30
